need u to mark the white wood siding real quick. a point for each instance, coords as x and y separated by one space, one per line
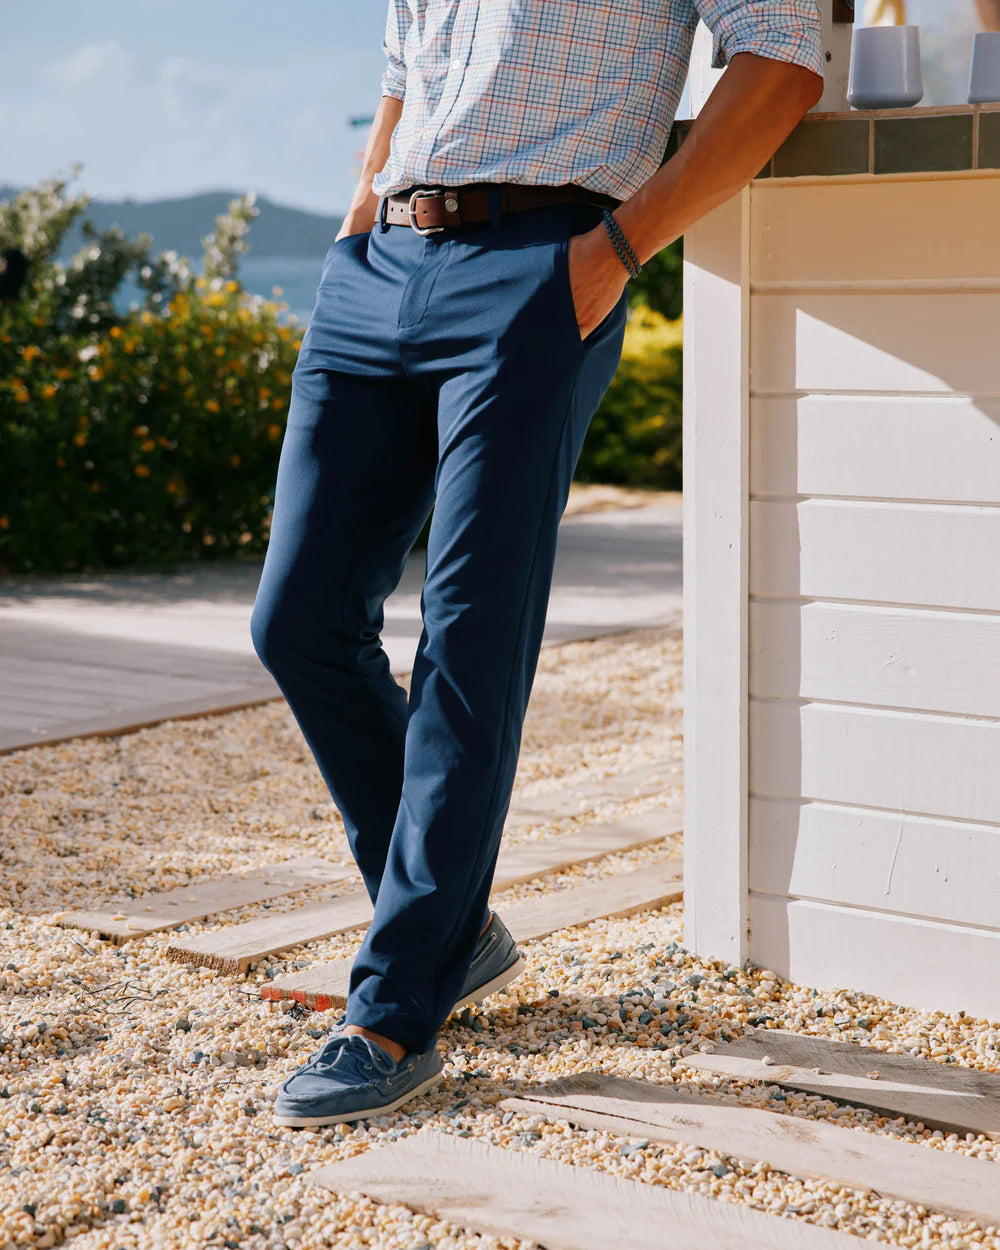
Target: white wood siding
872 521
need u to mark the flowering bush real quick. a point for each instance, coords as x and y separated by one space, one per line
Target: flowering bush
136 439
635 436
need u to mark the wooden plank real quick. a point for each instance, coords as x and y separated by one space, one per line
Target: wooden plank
907 213
904 340
509 1193
927 661
955 1184
325 985
525 860
901 553
716 405
635 783
917 963
956 1100
885 861
943 766
879 446
235 948
122 918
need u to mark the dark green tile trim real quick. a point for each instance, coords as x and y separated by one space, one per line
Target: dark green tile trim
989 140
913 144
910 142
833 147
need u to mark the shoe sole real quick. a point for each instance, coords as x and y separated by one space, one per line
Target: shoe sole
317 1121
490 987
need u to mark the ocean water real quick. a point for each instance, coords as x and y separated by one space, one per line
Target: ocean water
297 276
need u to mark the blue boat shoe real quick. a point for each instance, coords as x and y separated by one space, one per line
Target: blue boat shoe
496 963
351 1077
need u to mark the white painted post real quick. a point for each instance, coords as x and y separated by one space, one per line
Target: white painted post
716 513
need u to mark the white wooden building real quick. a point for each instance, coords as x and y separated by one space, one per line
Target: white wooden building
842 555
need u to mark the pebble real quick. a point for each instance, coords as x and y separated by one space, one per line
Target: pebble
139 1115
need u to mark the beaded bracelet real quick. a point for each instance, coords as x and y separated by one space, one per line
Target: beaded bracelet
621 245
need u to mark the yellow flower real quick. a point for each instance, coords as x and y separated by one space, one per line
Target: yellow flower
164 442
31 351
64 373
95 487
141 431
220 351
60 462
175 486
129 346
4 523
265 393
82 422
48 391
115 332
80 437
212 405
278 403
21 393
276 290
234 459
232 286
141 470
274 431
96 372
148 444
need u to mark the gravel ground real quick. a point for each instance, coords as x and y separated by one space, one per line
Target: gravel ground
135 1093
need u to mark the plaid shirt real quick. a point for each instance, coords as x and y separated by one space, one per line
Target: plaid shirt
553 91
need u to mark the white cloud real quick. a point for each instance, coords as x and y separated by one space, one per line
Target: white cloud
90 63
193 96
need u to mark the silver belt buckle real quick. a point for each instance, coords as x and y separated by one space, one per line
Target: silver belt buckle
412 211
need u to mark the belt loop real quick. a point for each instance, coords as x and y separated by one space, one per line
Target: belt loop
383 207
495 192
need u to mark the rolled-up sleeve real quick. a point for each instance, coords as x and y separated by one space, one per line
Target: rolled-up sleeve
397 24
785 30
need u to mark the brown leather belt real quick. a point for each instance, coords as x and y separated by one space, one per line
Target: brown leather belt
429 209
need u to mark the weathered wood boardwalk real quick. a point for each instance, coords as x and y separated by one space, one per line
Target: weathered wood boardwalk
107 652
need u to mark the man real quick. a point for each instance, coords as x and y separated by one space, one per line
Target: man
469 317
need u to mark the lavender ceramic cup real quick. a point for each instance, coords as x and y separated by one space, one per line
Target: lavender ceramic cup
885 67
984 71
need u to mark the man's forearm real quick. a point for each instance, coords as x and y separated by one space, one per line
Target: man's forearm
364 204
753 108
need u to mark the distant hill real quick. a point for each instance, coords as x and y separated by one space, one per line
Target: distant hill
180 224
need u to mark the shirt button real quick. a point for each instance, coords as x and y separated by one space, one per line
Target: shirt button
456 64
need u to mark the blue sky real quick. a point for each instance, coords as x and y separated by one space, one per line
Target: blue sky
165 97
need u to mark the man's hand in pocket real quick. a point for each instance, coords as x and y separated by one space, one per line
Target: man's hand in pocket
596 277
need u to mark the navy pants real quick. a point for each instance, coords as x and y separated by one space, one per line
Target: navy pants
442 370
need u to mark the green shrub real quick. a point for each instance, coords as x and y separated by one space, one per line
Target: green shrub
138 439
152 437
635 436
